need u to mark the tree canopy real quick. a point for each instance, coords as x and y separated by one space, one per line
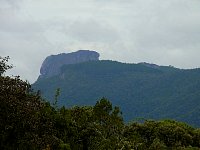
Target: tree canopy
141 90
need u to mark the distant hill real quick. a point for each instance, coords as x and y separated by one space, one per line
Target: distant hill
140 90
51 65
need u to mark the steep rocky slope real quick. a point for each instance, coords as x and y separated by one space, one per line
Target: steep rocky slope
52 64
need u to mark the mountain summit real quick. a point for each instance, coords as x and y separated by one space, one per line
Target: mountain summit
141 90
52 64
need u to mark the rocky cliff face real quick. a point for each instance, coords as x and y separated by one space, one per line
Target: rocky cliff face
52 64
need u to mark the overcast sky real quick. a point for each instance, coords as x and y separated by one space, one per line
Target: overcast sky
164 32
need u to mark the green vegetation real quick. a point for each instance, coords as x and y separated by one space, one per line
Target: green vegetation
30 123
141 90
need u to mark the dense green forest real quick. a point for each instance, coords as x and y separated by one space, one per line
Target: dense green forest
140 90
28 122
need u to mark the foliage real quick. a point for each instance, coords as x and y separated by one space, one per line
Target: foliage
23 116
140 90
28 122
3 64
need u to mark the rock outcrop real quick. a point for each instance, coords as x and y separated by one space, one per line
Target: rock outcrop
52 64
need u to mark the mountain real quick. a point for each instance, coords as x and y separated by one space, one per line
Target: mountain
51 65
141 90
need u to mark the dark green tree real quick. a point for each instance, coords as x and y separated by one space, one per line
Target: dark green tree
26 121
3 65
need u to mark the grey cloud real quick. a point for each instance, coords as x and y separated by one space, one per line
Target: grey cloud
13 4
92 31
162 32
167 33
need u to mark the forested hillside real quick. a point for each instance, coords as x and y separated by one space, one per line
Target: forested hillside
28 122
140 90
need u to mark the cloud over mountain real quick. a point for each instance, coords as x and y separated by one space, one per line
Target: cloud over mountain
162 32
